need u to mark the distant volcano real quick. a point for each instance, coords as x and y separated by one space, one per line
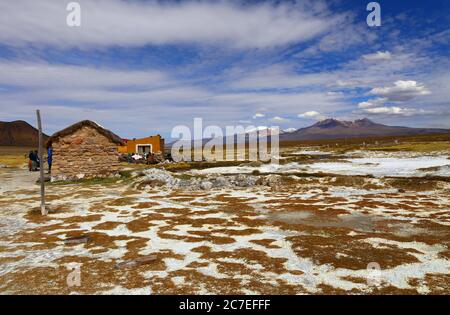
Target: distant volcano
19 133
336 129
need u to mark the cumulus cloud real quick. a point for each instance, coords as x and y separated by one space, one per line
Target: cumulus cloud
312 115
372 102
401 91
379 55
258 115
125 23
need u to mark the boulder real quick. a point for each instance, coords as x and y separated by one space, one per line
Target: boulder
206 185
221 182
159 175
273 180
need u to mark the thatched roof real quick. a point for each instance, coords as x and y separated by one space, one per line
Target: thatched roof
88 123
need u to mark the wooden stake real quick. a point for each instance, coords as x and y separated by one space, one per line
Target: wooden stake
41 165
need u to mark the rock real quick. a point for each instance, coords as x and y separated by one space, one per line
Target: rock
136 262
57 178
185 184
161 175
221 182
206 185
260 181
78 239
256 172
273 180
149 183
243 180
193 184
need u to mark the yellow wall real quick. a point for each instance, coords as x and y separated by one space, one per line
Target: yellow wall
156 142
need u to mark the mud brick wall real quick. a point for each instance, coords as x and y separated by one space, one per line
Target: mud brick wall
84 154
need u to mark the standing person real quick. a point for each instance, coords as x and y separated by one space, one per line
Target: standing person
30 161
49 158
36 160
33 159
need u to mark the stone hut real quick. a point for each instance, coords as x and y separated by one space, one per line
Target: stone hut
84 150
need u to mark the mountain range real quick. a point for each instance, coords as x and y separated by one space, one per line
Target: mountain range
337 129
19 133
332 129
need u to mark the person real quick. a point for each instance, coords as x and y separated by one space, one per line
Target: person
36 160
49 158
30 161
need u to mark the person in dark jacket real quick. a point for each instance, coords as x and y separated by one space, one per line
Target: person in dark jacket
36 162
49 158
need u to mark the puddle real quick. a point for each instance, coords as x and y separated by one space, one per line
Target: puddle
291 216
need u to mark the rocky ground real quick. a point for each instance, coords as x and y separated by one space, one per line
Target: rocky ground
222 232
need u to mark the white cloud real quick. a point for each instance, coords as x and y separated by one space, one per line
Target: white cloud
258 115
379 55
125 23
333 93
401 91
372 102
279 77
312 115
124 99
394 110
279 119
27 74
346 34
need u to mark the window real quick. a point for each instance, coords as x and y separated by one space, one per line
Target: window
143 148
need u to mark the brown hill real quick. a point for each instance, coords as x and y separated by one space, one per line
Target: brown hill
19 133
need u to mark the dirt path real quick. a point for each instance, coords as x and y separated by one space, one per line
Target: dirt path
13 179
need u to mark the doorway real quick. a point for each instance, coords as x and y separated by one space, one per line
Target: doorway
143 148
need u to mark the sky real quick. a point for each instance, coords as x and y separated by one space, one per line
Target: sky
143 67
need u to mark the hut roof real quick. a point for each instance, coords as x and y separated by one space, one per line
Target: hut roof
88 123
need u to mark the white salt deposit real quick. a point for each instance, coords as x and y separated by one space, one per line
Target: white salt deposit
377 166
310 152
380 167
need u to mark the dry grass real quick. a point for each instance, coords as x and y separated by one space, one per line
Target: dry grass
13 156
420 143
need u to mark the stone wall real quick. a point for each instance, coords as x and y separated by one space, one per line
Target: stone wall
84 154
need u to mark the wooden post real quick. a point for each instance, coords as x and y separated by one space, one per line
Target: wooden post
41 161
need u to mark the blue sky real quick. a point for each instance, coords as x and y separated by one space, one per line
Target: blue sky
143 67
